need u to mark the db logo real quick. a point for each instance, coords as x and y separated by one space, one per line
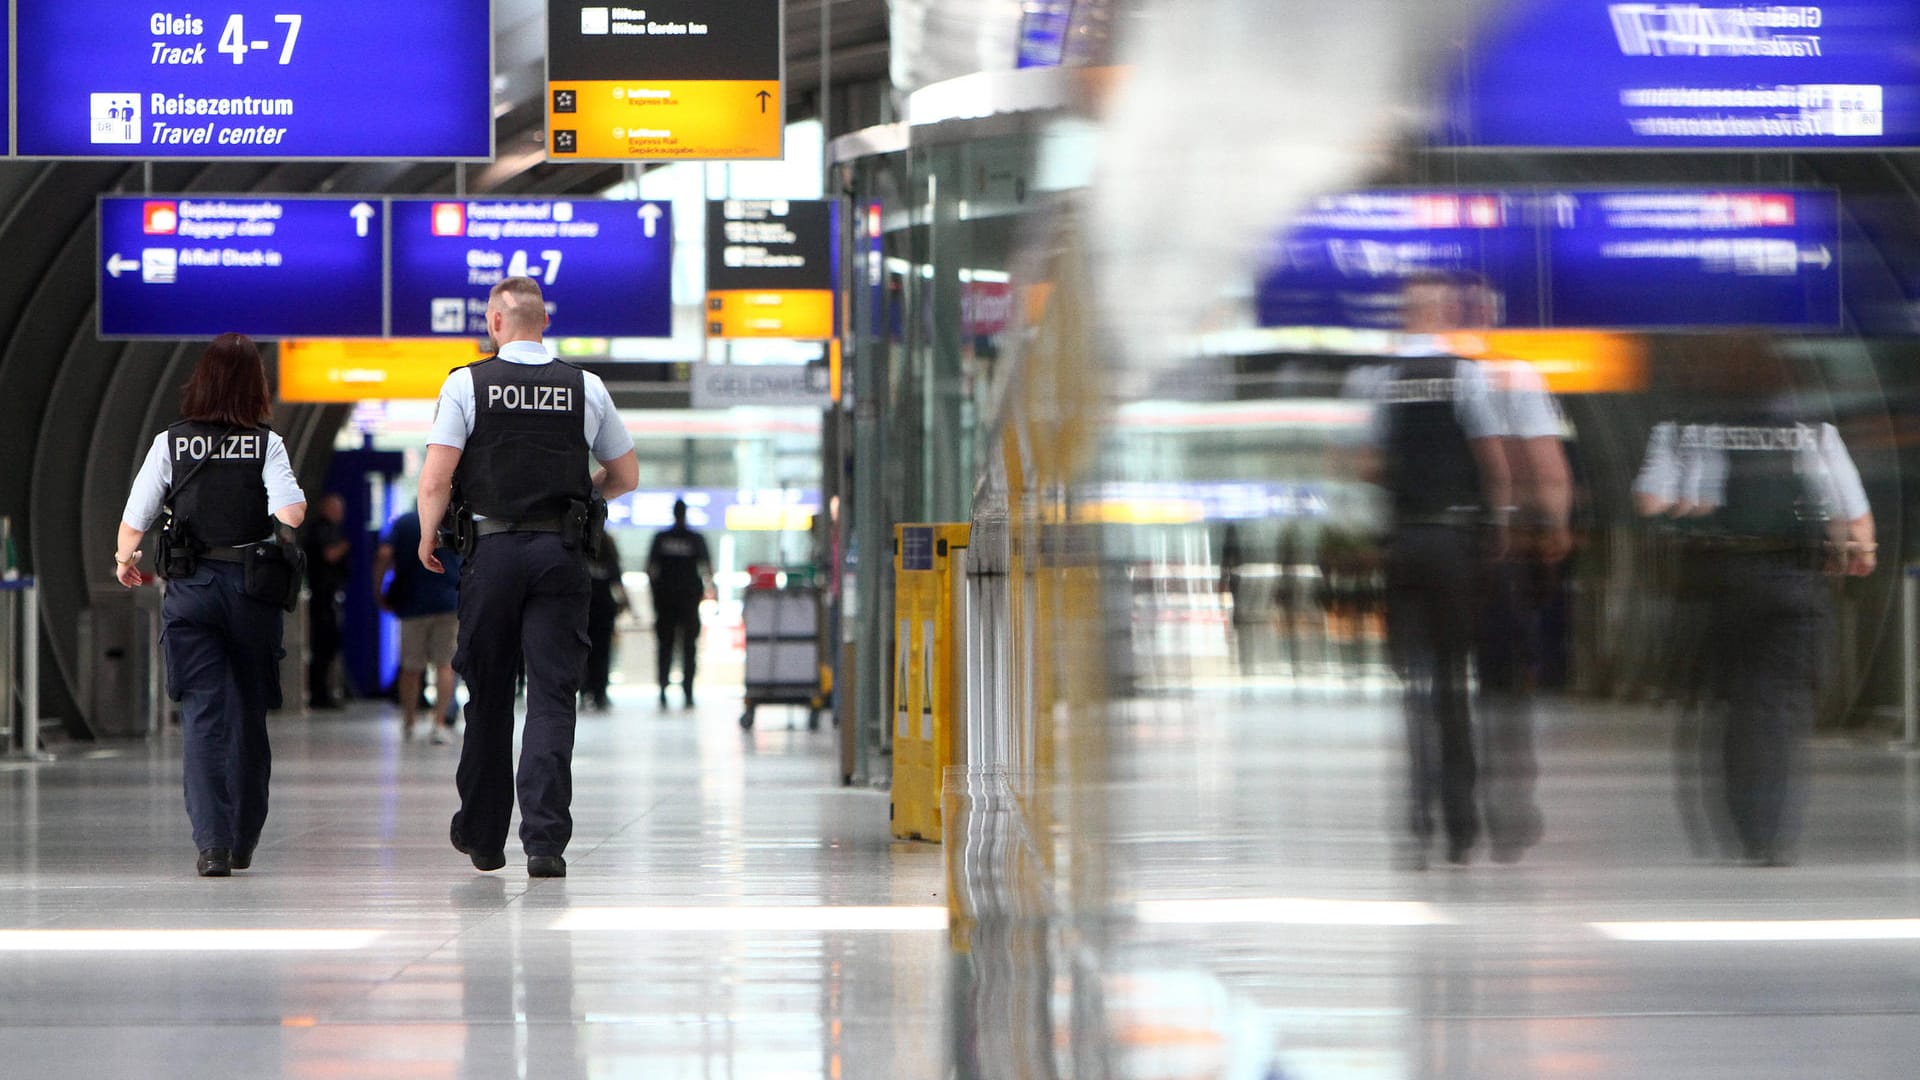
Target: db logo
161 219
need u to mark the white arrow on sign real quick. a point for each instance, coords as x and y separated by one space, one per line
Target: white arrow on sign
1821 256
362 214
650 213
116 264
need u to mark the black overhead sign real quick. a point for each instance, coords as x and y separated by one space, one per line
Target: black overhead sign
665 80
769 244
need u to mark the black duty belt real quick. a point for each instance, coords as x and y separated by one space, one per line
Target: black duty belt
495 526
225 554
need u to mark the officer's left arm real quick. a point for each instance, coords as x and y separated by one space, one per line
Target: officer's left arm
619 476
436 491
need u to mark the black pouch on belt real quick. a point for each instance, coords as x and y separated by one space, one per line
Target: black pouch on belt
274 569
178 551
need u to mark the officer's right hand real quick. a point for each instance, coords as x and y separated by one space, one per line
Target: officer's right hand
128 573
427 557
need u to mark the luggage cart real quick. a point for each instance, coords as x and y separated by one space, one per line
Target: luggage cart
783 651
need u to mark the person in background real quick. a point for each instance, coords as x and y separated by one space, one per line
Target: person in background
327 548
609 599
680 571
427 606
225 478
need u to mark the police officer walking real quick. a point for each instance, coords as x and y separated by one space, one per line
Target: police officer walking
1774 500
679 569
1446 477
512 438
224 479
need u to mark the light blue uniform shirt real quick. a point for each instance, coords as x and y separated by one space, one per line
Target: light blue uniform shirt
453 417
1673 473
149 493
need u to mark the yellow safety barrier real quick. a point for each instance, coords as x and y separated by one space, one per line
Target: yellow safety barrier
928 571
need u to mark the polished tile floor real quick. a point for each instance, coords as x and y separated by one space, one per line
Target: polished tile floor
361 945
732 912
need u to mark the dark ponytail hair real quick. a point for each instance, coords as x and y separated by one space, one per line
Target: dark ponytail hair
229 385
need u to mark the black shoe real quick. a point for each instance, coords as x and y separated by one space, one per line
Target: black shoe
242 857
482 860
546 866
215 862
689 699
663 697
1459 852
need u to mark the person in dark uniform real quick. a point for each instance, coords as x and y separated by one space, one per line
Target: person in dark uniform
603 613
1775 501
513 436
679 570
1445 474
225 479
327 548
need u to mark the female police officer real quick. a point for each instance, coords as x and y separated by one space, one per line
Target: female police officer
223 477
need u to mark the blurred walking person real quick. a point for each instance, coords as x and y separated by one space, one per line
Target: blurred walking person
1444 468
607 600
1776 503
427 606
680 571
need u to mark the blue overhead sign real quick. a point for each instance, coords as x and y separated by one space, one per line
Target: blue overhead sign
1594 259
606 267
328 79
1692 74
1693 258
1343 260
189 267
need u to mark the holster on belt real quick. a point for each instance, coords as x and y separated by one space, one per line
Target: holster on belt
460 532
584 525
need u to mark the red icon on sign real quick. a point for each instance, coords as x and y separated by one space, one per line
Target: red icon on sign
161 219
449 219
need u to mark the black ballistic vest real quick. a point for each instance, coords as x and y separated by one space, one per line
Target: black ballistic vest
1768 495
223 503
1430 470
677 555
527 456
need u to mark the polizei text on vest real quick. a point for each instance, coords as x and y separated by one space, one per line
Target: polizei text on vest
530 398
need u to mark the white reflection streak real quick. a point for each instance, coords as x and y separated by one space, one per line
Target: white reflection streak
20 941
1293 911
758 919
1765 930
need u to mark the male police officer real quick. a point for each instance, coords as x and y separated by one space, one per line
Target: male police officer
513 433
1446 476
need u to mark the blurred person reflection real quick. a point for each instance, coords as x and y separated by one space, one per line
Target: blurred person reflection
1444 468
1775 501
1237 585
1509 646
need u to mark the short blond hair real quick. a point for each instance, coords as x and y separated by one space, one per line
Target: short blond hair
520 302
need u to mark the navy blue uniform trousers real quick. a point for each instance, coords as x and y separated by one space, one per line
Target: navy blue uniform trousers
1431 602
223 667
1768 615
523 597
